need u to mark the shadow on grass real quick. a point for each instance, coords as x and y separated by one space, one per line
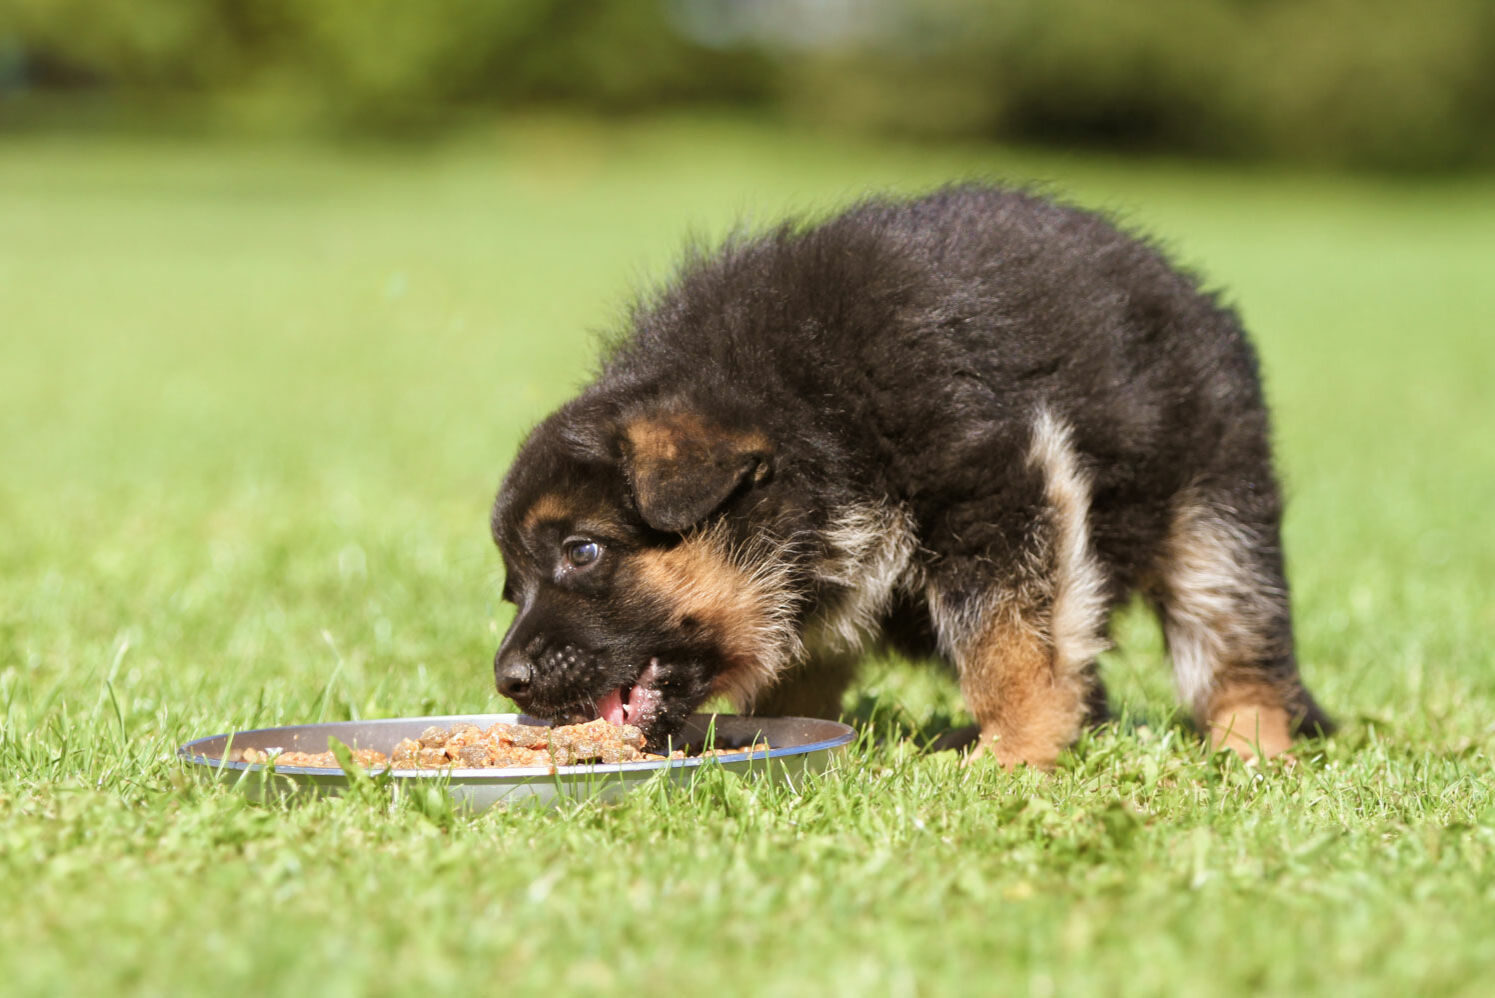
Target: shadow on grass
946 730
888 720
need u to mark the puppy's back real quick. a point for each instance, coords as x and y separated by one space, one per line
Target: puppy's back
902 329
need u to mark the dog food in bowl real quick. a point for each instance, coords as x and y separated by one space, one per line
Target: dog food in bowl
501 745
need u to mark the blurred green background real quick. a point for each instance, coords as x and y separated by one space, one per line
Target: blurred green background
1366 83
282 284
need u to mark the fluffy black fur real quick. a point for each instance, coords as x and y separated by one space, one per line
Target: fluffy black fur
891 356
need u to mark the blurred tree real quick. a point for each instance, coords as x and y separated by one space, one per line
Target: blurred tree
1366 82
383 63
1369 82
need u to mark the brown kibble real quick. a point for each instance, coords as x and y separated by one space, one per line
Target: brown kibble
432 757
612 754
513 755
472 756
369 758
464 735
406 754
530 736
501 746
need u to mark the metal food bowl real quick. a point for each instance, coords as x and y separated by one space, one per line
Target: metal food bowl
798 745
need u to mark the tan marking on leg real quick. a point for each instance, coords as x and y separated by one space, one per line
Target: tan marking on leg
1249 719
1225 623
1026 660
1217 610
1028 712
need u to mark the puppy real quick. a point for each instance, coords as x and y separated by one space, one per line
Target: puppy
964 426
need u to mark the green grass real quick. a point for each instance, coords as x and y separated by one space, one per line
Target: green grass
253 404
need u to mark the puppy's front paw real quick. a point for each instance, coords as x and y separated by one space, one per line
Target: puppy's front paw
1010 753
1251 728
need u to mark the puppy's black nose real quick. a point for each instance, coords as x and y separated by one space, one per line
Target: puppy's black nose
513 679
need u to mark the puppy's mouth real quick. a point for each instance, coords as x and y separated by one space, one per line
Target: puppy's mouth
636 703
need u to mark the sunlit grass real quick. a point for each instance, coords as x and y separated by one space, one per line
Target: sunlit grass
254 402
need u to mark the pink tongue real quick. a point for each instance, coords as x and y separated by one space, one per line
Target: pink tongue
642 698
611 707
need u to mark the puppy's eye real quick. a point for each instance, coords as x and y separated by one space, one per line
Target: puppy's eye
582 551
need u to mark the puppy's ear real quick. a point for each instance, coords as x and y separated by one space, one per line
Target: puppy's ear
683 467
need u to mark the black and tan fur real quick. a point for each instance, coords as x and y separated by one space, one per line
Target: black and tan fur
966 426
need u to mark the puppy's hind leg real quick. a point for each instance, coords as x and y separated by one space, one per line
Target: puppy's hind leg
1223 599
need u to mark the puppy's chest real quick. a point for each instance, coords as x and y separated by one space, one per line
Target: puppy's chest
869 559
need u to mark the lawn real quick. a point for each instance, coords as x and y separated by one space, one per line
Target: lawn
255 398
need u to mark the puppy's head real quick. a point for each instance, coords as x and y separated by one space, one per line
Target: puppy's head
626 549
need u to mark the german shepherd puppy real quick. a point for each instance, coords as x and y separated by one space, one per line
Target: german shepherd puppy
963 426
